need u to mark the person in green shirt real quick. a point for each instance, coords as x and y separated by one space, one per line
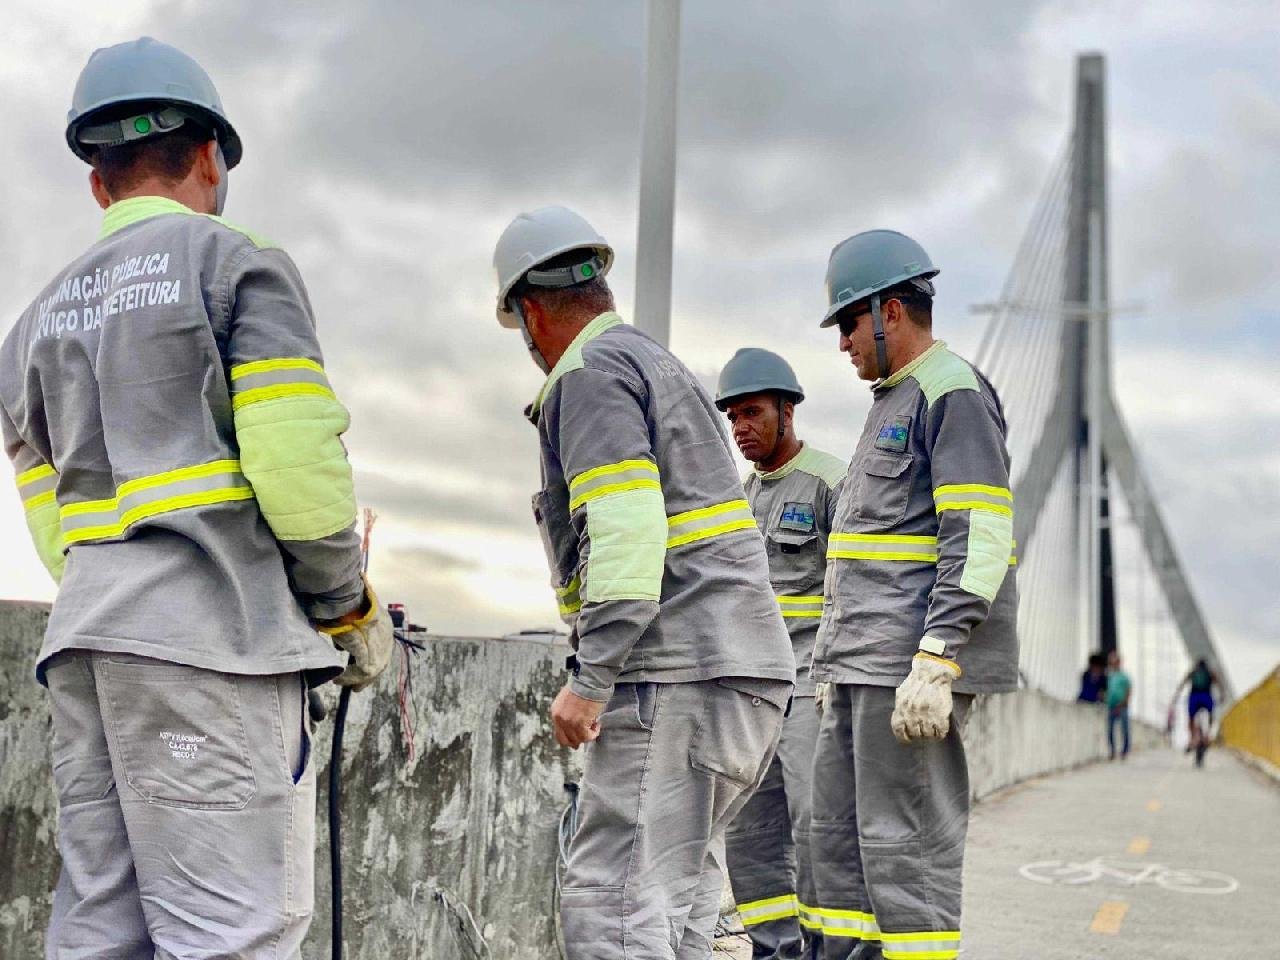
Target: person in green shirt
1118 689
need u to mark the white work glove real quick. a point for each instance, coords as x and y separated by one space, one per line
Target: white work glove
821 696
368 637
922 705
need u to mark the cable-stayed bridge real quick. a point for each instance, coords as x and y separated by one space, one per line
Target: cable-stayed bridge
1078 481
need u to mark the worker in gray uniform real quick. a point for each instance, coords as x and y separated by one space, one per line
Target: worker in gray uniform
177 450
792 491
683 668
919 615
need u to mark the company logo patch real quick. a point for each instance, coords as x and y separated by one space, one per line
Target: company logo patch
893 436
797 516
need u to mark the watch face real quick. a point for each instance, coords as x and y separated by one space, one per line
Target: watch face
799 517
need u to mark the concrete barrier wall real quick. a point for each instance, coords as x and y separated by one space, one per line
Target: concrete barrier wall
1011 737
470 821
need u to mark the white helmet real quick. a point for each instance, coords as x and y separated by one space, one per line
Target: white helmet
537 236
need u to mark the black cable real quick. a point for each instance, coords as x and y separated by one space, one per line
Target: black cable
335 819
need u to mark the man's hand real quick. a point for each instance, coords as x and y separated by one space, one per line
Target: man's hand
366 634
922 705
574 719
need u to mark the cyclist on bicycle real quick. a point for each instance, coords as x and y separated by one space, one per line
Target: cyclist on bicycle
1202 679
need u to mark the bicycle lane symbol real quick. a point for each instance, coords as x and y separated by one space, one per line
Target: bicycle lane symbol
1069 873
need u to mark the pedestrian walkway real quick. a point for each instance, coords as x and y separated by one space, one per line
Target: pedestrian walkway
1149 859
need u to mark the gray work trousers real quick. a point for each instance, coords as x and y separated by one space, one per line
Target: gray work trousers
186 811
673 765
888 829
767 848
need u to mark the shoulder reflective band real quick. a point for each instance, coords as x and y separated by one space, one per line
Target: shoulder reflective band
853 924
974 496
613 478
217 482
801 606
707 522
569 597
272 379
37 487
926 945
772 908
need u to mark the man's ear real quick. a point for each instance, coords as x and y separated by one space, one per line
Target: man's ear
207 164
892 313
99 189
535 318
788 412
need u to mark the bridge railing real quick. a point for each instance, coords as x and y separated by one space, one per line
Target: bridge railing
1253 722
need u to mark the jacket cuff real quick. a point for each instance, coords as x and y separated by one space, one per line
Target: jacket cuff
952 639
335 604
589 691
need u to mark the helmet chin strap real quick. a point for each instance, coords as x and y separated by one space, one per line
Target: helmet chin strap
534 352
877 328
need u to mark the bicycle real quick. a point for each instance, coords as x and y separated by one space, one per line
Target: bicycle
1066 873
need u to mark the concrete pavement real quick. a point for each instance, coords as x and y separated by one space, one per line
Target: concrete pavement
1190 864
1146 859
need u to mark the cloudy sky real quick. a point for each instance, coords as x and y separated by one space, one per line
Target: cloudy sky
388 143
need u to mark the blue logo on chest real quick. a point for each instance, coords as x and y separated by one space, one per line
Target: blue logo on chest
797 516
893 436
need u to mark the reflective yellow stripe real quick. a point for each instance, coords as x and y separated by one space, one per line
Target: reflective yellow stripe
259 394
242 370
613 478
569 597
706 522
801 606
34 474
773 908
965 488
220 481
809 918
883 546
922 945
853 924
974 496
39 500
37 487
282 377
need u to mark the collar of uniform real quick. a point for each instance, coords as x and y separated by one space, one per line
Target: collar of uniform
125 212
571 359
896 378
797 461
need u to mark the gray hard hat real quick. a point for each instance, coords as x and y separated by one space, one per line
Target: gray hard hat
870 262
753 370
139 89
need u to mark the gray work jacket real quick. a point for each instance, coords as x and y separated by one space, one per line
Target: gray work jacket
794 507
656 560
177 449
923 538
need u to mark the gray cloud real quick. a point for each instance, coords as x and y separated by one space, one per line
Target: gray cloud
388 143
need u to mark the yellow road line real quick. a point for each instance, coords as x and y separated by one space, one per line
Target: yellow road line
1153 806
1109 917
1139 845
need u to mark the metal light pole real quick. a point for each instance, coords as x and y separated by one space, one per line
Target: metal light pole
658 171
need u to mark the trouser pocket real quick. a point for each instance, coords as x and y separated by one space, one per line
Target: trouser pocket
179 733
736 734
